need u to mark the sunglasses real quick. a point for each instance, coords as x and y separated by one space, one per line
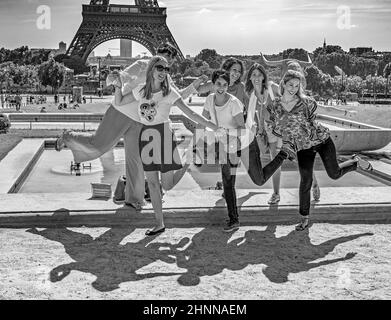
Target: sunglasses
161 68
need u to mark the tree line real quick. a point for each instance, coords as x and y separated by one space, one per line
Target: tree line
23 67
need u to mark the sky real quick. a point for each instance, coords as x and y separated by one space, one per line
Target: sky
228 26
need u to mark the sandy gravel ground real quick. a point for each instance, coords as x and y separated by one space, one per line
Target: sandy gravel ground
327 262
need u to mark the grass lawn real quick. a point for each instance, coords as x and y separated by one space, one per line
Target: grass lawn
7 143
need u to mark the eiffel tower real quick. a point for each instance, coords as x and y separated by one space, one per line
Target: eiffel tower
144 22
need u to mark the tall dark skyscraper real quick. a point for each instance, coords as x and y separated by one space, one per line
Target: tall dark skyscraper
126 48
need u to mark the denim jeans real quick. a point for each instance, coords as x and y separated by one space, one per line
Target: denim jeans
229 177
306 160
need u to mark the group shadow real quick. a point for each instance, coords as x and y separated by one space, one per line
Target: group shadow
207 253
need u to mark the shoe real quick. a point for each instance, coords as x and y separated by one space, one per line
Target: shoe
231 225
316 192
275 198
362 164
118 201
219 185
136 205
287 149
304 224
152 233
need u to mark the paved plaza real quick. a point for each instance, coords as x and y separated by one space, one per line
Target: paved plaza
330 261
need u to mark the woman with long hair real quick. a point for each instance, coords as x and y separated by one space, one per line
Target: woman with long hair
117 124
256 75
292 116
151 102
236 70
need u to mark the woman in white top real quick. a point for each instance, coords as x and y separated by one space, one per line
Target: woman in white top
151 103
117 124
226 111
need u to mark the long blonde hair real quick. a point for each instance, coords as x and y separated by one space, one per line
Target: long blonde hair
293 74
147 88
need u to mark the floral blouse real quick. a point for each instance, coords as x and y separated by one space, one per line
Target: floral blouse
297 126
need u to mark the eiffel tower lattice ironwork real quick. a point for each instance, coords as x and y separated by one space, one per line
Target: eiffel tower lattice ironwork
144 22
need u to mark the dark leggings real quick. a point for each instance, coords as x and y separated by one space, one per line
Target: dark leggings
251 159
306 159
229 177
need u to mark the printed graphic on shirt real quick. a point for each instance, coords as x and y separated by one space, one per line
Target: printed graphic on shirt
148 111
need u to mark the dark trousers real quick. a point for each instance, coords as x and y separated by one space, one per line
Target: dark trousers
251 159
306 160
229 177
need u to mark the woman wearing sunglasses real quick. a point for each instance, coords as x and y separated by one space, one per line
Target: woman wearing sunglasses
151 102
117 124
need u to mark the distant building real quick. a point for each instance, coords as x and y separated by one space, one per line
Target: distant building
359 51
126 48
110 61
62 49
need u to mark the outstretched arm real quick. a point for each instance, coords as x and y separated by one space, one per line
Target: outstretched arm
193 115
192 88
205 88
120 99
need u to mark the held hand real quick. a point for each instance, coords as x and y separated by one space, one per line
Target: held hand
203 78
221 133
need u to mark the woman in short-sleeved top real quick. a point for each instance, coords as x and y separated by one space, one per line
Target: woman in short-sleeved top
151 103
293 119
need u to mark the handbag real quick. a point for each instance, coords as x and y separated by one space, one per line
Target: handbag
119 193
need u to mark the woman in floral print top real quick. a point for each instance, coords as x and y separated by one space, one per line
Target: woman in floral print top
292 117
298 125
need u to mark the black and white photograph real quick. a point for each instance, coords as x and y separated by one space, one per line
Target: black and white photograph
195 157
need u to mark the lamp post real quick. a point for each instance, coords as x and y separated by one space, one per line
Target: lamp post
374 89
99 71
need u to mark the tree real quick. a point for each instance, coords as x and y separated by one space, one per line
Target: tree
77 64
387 74
51 73
298 54
319 82
328 50
184 65
211 57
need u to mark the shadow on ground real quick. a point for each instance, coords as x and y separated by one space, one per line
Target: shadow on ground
207 253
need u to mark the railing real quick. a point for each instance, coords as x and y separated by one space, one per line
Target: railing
81 118
122 9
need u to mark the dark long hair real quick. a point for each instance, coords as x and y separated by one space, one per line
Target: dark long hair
227 65
249 84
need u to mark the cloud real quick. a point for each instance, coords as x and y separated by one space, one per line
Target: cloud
204 11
